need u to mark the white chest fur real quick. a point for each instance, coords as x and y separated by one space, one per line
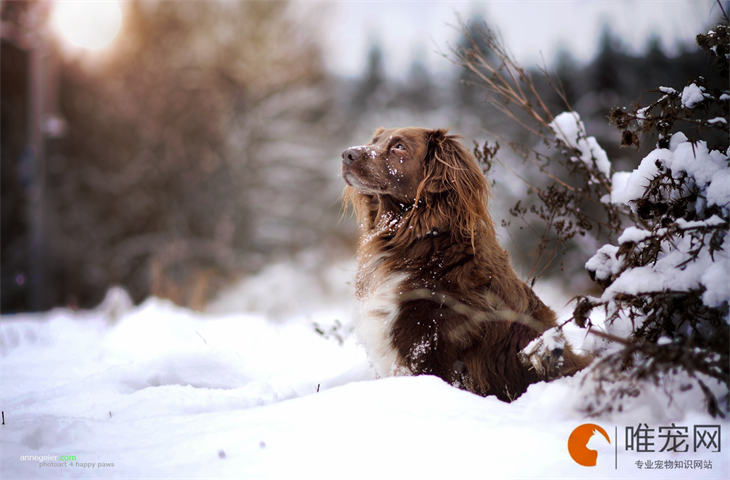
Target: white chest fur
379 294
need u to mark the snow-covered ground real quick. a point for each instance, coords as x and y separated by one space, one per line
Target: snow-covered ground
270 383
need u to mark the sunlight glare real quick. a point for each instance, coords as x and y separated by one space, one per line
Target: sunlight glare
88 24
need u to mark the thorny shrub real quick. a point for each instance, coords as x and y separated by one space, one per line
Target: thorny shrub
682 328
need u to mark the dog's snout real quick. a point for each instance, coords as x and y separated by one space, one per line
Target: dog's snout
350 155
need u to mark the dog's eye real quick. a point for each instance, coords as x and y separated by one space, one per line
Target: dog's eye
399 146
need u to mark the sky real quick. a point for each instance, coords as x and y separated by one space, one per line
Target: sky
532 29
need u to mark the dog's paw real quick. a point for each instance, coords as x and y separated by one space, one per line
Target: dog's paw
544 354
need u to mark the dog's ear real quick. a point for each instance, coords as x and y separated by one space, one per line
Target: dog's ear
454 184
442 156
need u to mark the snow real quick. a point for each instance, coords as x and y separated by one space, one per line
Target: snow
604 263
708 168
317 287
692 95
710 173
697 161
677 139
569 129
667 90
541 351
718 192
713 221
163 392
633 234
630 186
705 271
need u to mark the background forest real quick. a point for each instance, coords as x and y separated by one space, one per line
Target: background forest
173 171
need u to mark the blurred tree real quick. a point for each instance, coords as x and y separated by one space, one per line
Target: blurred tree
418 91
472 39
207 141
27 120
373 77
654 51
565 71
183 147
15 165
607 66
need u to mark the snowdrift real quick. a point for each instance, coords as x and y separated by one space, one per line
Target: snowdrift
160 391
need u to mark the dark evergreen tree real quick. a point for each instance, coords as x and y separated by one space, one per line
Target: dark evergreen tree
606 68
373 76
472 40
418 91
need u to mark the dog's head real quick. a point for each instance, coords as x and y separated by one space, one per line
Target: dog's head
418 166
391 164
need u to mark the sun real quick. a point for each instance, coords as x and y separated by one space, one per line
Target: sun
88 24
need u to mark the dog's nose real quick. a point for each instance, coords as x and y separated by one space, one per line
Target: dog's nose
350 155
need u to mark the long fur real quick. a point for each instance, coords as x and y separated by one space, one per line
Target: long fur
452 302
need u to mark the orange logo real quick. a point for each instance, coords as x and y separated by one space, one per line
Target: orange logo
578 444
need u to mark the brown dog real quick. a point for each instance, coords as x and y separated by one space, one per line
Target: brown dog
439 295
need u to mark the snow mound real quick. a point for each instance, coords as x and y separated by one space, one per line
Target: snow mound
161 391
310 284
